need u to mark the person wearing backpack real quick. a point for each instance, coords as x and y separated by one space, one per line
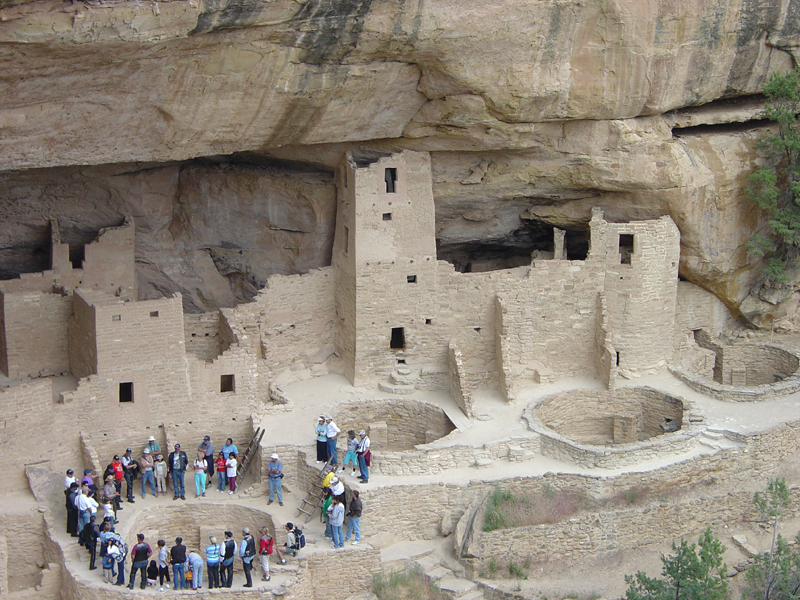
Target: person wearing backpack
265 547
247 551
228 554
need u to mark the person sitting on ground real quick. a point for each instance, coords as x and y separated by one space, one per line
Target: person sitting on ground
152 573
291 542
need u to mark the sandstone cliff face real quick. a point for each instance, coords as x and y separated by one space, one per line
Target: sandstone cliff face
533 112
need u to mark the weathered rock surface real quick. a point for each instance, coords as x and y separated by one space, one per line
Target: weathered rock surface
534 113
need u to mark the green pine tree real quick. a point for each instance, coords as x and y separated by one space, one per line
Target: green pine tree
776 187
692 572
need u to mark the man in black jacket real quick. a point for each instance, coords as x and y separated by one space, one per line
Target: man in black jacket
72 511
226 560
91 533
177 462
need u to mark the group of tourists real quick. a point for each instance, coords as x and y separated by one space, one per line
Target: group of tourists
86 501
358 451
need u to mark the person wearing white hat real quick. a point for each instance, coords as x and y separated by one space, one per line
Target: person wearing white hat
147 465
153 446
275 471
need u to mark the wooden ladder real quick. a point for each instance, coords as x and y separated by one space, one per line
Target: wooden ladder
314 497
248 455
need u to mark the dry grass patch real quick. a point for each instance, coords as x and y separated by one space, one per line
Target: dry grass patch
409 584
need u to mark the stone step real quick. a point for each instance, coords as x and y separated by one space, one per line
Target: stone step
457 585
471 595
399 379
710 444
716 435
400 390
438 572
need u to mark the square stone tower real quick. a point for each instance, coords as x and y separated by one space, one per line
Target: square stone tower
384 256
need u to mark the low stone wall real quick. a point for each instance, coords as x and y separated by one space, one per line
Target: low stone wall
595 533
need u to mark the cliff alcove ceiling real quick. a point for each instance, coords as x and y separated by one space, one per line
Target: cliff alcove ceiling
108 108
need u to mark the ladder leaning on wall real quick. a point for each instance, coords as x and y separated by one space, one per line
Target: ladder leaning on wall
248 455
316 494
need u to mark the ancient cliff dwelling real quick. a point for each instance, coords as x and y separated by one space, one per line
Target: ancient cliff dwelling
508 242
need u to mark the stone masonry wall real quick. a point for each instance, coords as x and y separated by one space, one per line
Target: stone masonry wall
202 334
26 417
36 340
460 388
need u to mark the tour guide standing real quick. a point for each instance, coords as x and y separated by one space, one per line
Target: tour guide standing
247 551
333 434
275 470
177 463
363 453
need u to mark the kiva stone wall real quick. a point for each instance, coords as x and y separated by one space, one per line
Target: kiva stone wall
408 422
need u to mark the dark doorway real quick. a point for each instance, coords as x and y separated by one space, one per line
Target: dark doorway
398 341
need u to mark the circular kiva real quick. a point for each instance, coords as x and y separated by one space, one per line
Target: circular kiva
394 424
742 373
611 428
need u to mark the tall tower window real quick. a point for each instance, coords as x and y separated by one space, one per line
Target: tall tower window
390 176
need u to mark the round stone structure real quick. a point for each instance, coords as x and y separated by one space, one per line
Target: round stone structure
612 428
394 424
745 373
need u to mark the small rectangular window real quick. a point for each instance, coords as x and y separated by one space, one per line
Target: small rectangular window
387 216
617 363
625 248
390 177
126 391
411 278
153 314
428 321
227 383
398 340
116 317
